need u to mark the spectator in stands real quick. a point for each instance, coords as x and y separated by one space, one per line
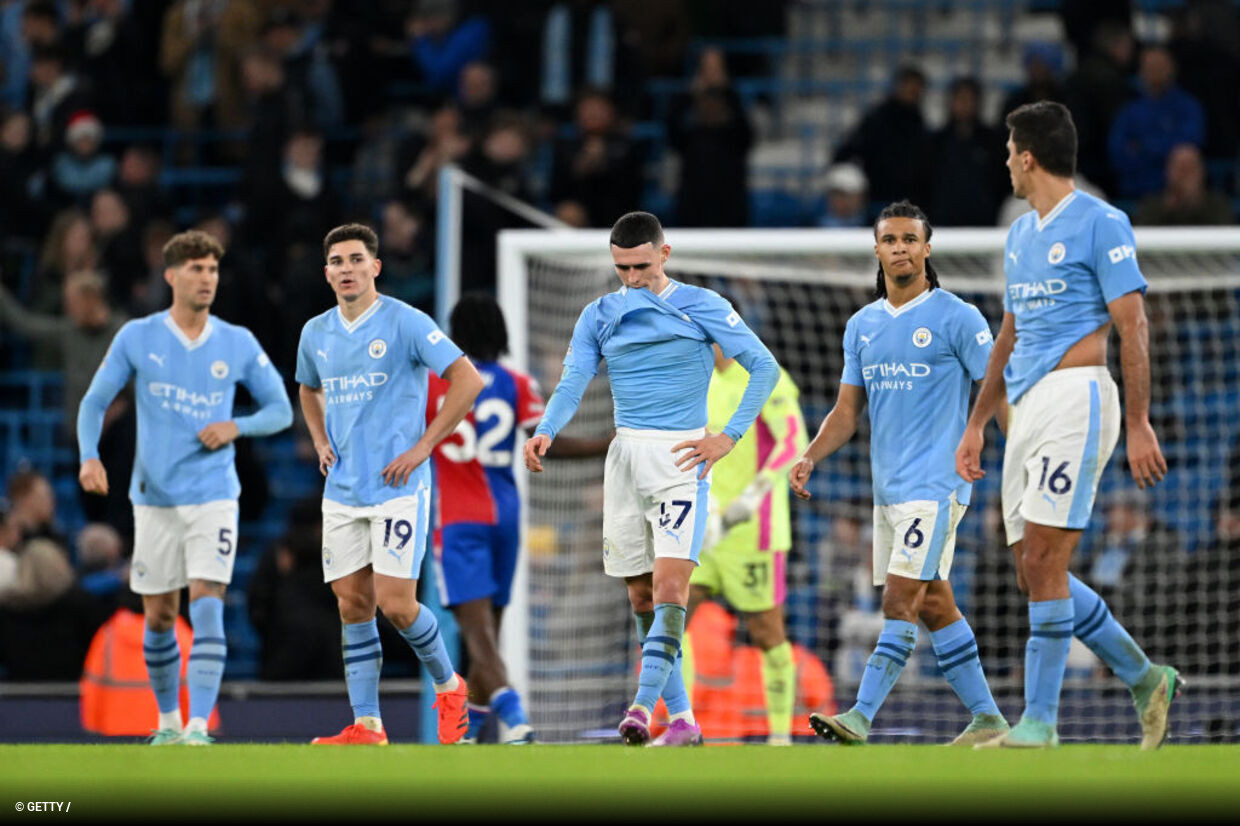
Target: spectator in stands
150 293
711 132
23 27
23 211
199 53
408 269
892 144
294 613
476 98
137 182
1146 129
1185 200
1095 92
119 241
291 206
1083 18
121 59
32 507
421 156
311 77
597 166
68 247
441 44
847 198
969 178
46 621
103 570
1205 44
81 169
75 343
1043 63
56 94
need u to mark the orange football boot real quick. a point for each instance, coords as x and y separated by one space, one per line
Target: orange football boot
354 735
453 716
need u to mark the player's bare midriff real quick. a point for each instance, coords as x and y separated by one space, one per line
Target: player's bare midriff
1090 351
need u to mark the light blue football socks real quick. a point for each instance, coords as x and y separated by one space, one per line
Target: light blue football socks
163 663
206 658
661 663
895 645
1095 627
1046 657
363 660
955 647
427 643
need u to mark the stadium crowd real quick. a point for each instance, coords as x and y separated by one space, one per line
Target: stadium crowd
265 122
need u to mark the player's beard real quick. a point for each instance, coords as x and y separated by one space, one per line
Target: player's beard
905 279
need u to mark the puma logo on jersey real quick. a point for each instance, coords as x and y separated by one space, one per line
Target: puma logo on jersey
865 340
1013 256
157 359
321 353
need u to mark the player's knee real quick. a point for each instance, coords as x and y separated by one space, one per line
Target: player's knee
355 608
899 606
160 617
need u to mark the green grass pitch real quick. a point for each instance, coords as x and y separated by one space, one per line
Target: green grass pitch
601 783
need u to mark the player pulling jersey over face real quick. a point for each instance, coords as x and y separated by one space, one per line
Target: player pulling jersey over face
912 355
656 336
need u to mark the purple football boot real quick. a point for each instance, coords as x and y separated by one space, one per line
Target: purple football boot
635 727
680 733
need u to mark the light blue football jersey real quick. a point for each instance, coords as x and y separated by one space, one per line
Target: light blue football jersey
373 373
181 386
917 363
1062 272
659 358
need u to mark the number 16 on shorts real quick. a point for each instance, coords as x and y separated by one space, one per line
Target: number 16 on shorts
915 540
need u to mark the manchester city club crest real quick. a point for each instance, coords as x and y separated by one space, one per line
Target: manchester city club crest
922 337
327 558
1058 251
219 369
377 348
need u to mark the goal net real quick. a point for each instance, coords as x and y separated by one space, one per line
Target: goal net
1167 560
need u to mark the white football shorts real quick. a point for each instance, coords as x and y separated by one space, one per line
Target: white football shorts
1061 433
173 545
917 539
651 508
391 537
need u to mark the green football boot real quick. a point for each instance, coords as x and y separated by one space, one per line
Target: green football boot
848 729
981 728
164 737
1152 697
1027 734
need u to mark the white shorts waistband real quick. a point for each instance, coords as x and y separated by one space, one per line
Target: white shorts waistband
660 436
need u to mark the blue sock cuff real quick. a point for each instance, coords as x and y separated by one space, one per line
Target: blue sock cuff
423 624
899 632
1051 618
360 632
206 615
951 636
158 639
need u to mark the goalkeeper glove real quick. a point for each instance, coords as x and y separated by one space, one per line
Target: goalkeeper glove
741 509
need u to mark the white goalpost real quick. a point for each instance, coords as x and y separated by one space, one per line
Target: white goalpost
1160 557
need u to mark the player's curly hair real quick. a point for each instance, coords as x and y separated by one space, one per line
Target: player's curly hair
189 246
477 326
904 209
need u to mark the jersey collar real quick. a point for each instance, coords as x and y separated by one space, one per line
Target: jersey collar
1059 207
350 326
895 311
186 341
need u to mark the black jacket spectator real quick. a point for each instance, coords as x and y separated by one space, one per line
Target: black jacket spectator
892 145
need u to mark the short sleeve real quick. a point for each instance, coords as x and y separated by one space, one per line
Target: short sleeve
307 370
427 343
852 358
724 325
583 351
1115 256
972 341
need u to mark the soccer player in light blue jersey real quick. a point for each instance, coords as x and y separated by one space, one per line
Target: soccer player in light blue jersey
186 365
656 335
913 355
363 369
1072 273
